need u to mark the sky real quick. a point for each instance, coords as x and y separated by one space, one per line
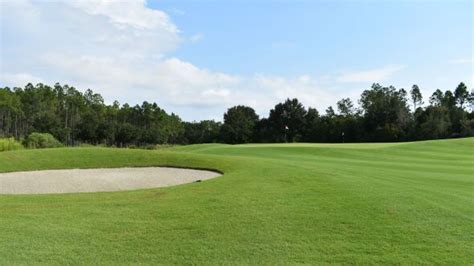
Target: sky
198 58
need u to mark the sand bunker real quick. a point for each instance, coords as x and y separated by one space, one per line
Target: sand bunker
95 180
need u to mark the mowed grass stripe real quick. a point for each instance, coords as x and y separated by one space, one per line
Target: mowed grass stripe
458 155
382 161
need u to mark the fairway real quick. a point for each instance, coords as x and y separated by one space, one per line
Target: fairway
406 203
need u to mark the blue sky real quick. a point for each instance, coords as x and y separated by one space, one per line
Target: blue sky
198 58
320 36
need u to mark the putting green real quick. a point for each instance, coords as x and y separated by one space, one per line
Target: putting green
397 203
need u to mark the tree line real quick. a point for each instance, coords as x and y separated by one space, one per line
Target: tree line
382 114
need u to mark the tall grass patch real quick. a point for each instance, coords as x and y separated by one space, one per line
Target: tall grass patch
8 144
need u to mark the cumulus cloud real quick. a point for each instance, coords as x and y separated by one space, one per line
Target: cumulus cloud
372 75
127 13
122 49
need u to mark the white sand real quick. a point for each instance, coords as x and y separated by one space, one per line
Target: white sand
94 180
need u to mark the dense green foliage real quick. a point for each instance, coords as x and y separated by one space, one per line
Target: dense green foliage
74 117
239 125
397 203
383 115
206 131
287 121
9 144
41 141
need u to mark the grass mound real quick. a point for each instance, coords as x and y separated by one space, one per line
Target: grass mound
402 203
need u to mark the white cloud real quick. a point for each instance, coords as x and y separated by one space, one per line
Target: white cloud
372 75
121 49
91 28
127 13
175 81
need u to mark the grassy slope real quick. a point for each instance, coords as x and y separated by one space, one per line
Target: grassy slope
295 203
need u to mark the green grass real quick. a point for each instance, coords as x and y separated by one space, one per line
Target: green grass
407 203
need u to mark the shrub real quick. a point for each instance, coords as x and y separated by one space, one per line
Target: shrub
8 144
41 140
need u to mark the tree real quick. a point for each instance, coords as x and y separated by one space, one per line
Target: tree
287 121
461 94
470 100
92 117
330 112
239 124
10 113
416 96
467 127
263 131
436 123
436 98
126 134
206 131
74 102
385 113
448 100
345 107
313 126
174 129
74 117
